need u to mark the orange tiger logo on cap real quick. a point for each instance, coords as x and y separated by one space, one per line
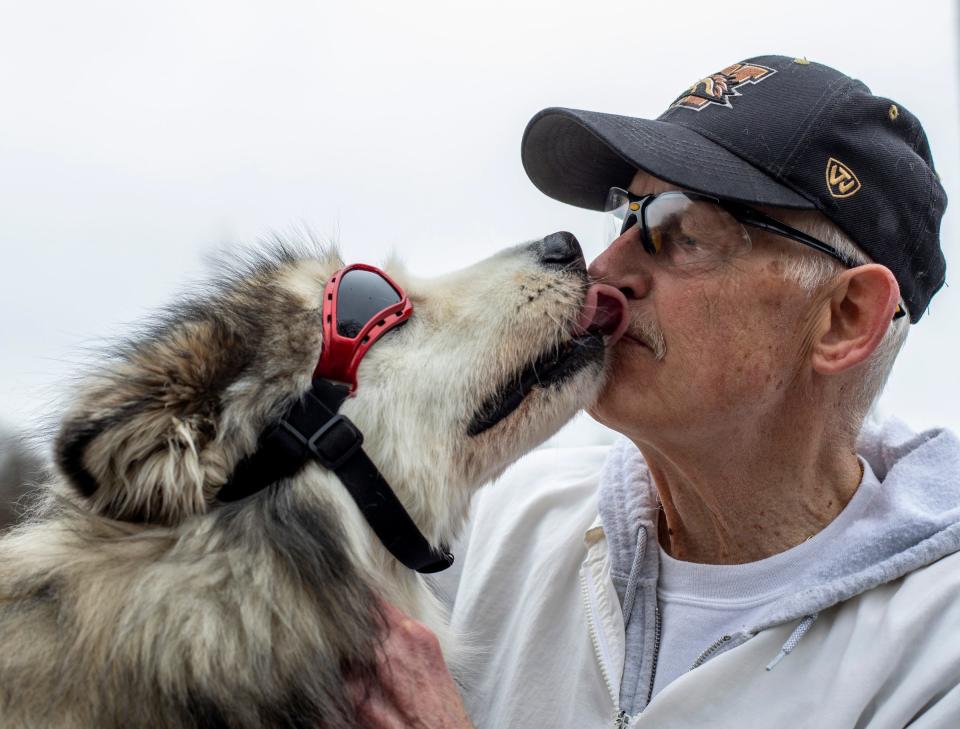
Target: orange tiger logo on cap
719 87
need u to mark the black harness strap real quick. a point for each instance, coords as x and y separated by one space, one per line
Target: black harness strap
312 429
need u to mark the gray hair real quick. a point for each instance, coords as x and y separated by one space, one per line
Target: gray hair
812 271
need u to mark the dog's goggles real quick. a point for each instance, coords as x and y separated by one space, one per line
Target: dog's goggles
360 304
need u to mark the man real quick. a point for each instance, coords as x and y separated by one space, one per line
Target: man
750 554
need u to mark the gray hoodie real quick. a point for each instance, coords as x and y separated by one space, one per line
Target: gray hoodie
915 523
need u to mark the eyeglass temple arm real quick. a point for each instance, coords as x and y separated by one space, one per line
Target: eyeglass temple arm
749 216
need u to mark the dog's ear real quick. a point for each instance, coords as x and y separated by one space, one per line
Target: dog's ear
140 444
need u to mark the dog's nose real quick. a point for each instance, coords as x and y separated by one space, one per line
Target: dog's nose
562 249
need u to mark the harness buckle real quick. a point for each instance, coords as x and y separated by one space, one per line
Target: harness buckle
333 443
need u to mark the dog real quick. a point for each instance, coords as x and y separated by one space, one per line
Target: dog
135 597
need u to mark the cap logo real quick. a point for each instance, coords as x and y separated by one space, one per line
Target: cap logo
841 182
718 88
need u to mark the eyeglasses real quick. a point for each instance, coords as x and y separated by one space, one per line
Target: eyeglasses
692 232
360 304
690 228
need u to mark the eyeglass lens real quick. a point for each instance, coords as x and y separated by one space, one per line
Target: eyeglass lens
682 230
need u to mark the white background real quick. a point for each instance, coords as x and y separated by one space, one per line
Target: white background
136 137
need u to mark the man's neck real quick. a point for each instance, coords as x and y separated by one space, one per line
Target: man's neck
756 494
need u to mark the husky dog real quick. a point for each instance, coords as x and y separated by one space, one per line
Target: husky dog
137 599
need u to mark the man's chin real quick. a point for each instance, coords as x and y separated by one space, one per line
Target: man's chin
600 409
621 403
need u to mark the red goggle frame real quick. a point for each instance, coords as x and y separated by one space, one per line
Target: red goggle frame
360 304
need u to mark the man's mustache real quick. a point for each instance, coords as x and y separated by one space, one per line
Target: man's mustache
643 328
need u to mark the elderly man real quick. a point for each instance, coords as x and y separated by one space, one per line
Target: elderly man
750 554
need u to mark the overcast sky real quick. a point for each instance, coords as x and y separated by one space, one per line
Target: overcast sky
136 137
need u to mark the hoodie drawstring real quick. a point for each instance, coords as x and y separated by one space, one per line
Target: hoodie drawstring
792 641
630 595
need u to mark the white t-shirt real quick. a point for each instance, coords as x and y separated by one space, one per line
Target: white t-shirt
700 604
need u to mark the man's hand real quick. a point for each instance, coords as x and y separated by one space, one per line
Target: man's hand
416 690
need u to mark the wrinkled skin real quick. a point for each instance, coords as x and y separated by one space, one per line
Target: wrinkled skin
416 689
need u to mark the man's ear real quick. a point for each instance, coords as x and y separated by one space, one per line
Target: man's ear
861 305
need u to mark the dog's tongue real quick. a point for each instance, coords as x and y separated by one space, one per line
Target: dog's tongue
604 310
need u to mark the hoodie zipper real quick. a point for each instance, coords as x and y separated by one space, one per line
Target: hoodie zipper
599 645
656 649
622 719
710 651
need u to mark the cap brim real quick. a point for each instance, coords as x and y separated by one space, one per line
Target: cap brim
576 156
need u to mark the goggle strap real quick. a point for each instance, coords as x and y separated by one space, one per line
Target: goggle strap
312 429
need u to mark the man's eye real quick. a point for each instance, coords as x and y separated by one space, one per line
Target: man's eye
684 243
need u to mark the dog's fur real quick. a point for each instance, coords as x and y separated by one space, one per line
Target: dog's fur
136 600
20 470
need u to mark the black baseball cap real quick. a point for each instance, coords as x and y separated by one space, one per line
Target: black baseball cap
771 130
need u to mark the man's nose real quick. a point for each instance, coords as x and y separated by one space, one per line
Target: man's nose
625 265
561 249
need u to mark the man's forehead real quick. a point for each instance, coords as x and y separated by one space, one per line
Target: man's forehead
644 183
